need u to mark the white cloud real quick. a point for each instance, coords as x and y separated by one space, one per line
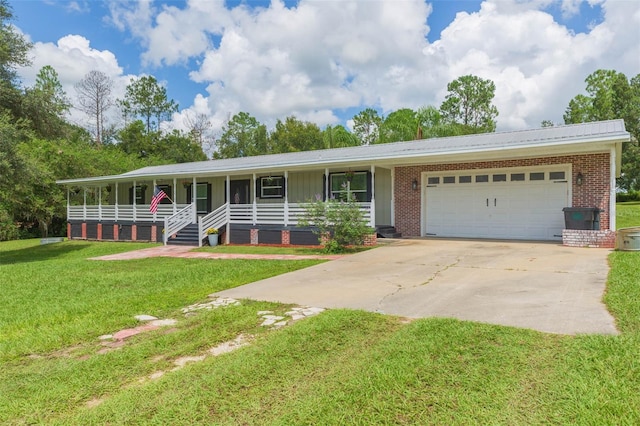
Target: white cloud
72 57
320 57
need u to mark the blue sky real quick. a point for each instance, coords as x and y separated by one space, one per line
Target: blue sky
324 61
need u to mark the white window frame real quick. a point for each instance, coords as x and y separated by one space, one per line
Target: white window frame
269 183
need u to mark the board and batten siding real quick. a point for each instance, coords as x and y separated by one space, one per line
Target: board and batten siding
383 196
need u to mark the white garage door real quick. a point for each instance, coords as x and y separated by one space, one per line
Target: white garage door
509 204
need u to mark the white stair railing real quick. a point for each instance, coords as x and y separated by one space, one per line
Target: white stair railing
173 224
216 219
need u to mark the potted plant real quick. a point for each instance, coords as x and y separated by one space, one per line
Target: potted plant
212 235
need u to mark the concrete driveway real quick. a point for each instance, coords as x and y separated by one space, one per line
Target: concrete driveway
541 286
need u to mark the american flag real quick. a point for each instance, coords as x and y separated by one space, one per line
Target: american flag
158 195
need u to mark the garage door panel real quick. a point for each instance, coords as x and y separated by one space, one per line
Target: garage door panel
512 210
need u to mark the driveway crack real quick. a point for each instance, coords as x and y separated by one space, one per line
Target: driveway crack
399 287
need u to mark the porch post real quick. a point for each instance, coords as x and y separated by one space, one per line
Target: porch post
255 204
286 198
100 205
228 191
84 204
116 200
134 200
393 196
154 191
326 184
612 189
175 192
193 200
68 202
372 220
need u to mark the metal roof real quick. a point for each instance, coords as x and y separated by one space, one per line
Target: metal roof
600 131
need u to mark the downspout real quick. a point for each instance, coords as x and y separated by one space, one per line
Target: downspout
393 196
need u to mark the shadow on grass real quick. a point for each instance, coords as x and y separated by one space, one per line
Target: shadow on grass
37 253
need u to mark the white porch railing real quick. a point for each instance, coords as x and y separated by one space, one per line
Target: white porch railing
178 221
216 219
139 212
274 213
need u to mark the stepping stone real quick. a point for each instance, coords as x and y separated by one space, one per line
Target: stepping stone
261 313
145 317
163 322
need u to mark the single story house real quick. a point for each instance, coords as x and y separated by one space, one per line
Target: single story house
505 185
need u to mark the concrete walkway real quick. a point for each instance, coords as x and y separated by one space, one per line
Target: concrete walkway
541 286
185 252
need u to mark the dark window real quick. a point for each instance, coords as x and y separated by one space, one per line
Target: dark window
500 178
433 180
556 175
517 177
464 179
203 194
449 179
167 190
140 192
271 187
536 176
355 184
482 178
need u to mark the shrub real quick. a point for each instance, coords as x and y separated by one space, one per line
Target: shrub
622 197
338 223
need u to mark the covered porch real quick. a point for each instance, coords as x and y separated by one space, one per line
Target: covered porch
240 205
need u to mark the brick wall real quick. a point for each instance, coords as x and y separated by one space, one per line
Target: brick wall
594 191
584 238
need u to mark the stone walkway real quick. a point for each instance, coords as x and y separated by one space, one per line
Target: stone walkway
185 252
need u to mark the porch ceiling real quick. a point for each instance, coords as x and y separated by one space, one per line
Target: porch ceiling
560 140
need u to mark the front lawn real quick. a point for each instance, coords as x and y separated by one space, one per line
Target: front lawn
340 367
628 214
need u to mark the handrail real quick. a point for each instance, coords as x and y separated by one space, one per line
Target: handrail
178 221
216 219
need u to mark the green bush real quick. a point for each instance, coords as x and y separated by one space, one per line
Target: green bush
628 196
338 223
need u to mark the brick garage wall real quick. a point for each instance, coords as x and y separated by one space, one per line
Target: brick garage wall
594 191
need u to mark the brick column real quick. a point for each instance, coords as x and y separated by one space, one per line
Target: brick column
154 230
99 232
286 237
254 237
134 232
68 231
84 231
116 230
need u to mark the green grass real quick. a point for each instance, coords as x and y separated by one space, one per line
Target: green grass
628 214
340 367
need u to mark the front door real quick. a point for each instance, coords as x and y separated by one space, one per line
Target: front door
240 191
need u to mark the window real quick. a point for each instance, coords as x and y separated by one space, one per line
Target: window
556 175
517 177
536 176
500 178
464 179
167 190
271 187
482 178
140 192
202 198
449 179
433 180
357 186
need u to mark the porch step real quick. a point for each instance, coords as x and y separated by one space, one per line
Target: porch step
387 231
186 237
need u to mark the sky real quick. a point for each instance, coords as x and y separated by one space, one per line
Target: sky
326 60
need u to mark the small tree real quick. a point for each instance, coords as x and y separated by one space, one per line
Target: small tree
338 223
